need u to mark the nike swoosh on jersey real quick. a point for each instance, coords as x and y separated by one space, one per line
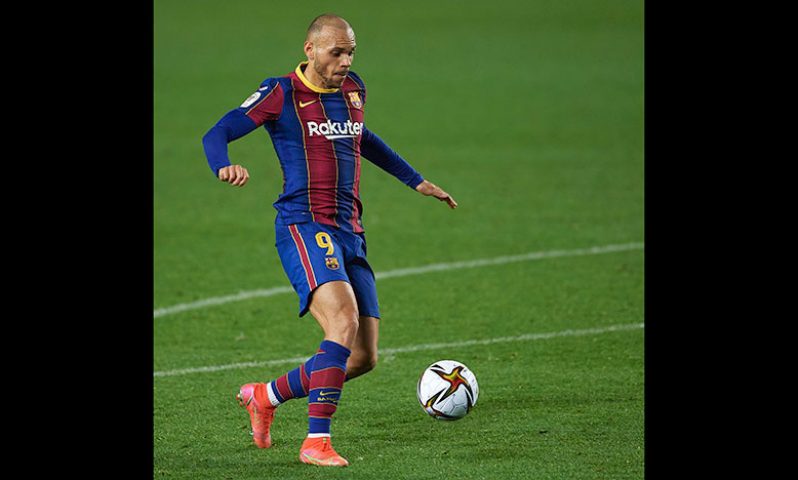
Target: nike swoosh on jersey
263 88
305 104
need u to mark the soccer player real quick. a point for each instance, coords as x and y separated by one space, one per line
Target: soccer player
314 116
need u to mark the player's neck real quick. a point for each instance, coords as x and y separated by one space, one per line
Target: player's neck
313 77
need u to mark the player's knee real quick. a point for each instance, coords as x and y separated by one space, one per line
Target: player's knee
370 362
348 325
361 363
345 324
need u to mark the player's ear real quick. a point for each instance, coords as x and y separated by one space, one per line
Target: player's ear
309 49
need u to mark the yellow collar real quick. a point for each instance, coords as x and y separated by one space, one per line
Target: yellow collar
307 83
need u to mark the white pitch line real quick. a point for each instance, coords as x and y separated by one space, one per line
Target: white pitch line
403 272
412 348
182 307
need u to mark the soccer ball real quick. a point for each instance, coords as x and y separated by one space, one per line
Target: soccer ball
447 390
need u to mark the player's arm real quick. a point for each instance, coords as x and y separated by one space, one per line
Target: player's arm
232 126
379 153
263 105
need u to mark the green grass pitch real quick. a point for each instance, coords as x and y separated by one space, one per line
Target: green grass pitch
531 115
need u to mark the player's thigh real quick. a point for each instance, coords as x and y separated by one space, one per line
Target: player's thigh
334 306
364 284
311 257
364 349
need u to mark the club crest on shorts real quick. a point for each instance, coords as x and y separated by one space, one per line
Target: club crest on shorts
332 263
354 99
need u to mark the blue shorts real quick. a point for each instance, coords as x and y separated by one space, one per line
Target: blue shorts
313 254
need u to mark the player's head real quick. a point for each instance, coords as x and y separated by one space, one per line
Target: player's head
330 48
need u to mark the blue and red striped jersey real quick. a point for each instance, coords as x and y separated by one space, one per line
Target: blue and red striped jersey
319 137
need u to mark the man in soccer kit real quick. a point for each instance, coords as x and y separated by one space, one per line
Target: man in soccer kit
314 116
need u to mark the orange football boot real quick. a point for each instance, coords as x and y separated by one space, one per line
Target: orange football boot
319 451
255 399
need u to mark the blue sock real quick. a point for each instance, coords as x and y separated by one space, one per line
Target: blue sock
293 384
326 382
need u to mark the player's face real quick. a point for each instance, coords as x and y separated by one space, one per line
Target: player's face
330 56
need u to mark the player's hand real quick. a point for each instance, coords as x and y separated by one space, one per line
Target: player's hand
430 189
235 175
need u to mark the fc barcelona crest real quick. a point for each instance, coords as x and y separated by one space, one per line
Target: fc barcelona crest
332 263
354 99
